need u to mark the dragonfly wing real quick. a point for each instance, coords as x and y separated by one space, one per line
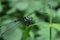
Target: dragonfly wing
13 33
9 27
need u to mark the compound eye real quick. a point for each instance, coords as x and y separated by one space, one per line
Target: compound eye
30 19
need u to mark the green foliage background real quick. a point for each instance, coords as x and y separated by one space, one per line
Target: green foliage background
42 12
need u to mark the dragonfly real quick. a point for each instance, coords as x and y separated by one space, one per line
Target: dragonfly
27 20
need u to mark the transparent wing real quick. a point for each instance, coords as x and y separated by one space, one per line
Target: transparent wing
9 27
5 24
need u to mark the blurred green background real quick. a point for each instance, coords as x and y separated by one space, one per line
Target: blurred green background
44 13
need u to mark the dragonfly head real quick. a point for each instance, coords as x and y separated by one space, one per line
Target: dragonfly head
28 20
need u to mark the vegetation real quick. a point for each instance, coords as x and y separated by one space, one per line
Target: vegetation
30 19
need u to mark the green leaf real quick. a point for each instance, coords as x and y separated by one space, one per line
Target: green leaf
21 5
56 26
1 7
31 35
26 32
